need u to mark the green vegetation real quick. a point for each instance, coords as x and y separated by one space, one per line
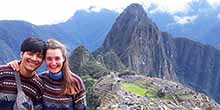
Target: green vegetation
148 92
134 88
93 69
139 90
92 100
168 97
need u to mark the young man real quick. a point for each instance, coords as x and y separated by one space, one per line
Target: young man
32 55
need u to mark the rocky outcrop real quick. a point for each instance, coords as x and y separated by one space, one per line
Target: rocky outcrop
111 61
78 58
84 64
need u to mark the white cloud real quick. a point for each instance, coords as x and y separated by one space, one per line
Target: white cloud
36 11
218 16
214 3
172 6
54 11
185 19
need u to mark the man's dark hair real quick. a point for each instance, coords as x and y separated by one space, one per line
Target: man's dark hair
34 44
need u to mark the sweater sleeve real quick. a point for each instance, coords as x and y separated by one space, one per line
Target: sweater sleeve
38 105
80 98
80 102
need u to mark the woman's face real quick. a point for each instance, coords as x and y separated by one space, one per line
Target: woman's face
54 60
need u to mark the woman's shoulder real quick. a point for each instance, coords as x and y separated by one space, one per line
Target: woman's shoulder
43 74
77 80
76 77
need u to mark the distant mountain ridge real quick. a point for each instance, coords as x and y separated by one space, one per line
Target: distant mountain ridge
74 32
198 24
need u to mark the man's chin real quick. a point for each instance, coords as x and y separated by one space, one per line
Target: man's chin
32 69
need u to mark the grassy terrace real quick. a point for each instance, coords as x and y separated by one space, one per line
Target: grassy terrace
138 90
141 91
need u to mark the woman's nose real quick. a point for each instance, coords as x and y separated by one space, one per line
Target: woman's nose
53 62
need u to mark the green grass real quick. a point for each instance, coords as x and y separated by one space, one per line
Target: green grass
138 90
168 97
150 94
134 88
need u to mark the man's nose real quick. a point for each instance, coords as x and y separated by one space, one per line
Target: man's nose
34 57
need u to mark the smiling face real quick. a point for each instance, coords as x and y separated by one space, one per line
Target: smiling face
54 60
30 61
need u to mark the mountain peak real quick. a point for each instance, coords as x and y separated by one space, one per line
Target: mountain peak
135 8
134 11
132 19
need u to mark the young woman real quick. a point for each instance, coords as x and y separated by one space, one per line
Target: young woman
63 90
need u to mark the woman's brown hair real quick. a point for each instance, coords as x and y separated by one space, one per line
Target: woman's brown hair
69 89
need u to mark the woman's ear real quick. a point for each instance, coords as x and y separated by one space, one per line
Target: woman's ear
64 60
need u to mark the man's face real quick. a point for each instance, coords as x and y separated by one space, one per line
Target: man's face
31 61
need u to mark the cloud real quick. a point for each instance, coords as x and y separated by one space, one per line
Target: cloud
218 16
55 11
171 6
185 19
36 11
214 3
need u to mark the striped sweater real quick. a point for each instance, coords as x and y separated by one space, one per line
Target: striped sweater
53 100
32 87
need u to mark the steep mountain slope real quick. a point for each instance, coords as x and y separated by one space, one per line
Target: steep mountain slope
139 43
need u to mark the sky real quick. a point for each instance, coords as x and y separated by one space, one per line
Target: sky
41 12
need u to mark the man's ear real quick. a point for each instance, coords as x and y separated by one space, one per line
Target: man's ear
21 54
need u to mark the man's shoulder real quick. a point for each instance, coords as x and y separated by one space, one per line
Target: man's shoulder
5 68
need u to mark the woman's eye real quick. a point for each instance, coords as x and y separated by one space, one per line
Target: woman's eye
49 58
57 58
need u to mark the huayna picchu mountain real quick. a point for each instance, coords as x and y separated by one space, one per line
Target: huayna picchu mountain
143 48
139 43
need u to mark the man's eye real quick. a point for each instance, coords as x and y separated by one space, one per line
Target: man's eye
30 53
40 56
